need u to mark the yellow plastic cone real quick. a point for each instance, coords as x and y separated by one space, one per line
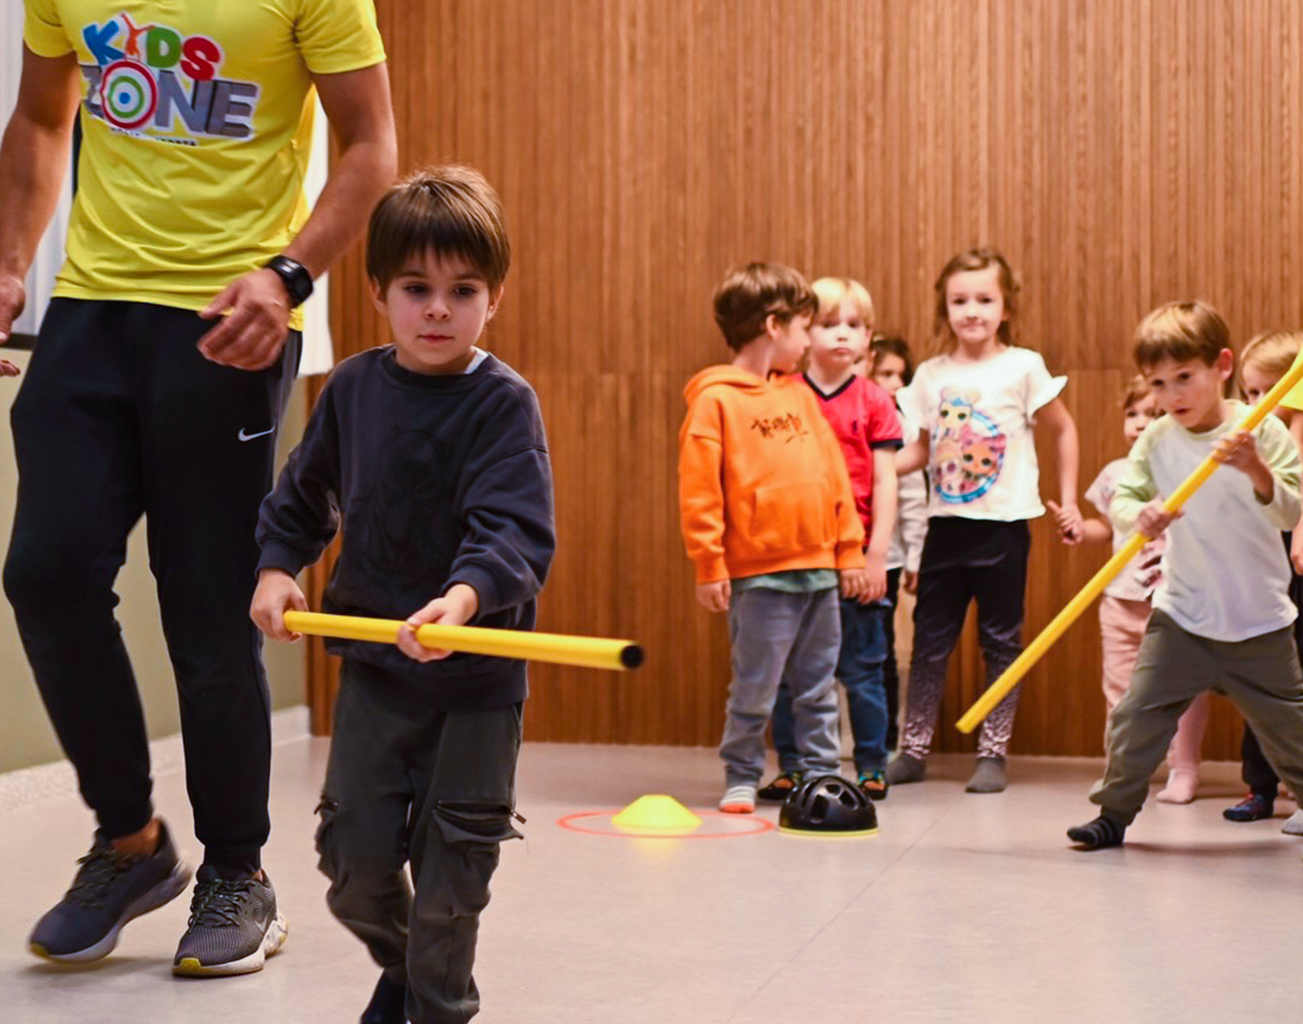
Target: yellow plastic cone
656 814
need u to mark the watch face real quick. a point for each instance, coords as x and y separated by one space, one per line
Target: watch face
297 280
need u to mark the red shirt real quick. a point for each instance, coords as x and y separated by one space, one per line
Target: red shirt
863 417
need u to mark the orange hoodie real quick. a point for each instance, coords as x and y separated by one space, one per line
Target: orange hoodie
763 485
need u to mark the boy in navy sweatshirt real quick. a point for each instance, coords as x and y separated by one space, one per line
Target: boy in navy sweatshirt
430 454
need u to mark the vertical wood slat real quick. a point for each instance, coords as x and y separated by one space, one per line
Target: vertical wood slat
1121 153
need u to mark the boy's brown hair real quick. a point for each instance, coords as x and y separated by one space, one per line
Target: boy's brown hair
446 211
1182 332
751 293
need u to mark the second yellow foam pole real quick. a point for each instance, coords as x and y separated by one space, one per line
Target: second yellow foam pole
1073 610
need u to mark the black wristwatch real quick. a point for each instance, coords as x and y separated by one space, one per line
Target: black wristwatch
294 275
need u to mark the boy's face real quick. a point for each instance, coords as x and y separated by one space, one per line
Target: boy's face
790 342
1139 414
975 305
838 338
889 373
1191 391
437 308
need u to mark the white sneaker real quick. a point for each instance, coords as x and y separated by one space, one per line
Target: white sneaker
739 799
1294 824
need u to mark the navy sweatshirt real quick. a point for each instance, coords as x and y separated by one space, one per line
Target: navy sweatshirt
434 480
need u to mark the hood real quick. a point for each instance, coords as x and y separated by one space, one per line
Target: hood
723 374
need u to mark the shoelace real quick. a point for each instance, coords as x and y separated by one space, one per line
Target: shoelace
100 868
217 904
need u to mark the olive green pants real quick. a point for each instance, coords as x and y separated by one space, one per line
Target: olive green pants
1260 676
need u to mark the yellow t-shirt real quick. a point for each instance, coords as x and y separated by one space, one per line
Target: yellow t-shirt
196 128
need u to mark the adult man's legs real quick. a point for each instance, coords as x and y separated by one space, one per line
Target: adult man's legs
76 435
207 454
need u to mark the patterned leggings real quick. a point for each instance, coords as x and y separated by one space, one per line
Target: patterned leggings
965 560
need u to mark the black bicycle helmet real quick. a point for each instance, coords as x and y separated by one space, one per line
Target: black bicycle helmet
828 805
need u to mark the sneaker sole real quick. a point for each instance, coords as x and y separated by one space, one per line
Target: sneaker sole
738 808
272 941
160 894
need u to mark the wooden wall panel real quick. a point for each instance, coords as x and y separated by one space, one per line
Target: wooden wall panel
1120 153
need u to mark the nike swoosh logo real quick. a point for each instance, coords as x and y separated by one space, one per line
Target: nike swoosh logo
246 436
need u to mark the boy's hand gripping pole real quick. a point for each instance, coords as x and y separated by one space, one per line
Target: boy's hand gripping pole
584 651
1072 611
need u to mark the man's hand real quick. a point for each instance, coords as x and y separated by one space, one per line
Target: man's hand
909 581
13 297
255 324
455 608
8 369
714 597
276 594
1153 519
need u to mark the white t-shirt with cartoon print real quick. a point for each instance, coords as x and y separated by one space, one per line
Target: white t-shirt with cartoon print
979 416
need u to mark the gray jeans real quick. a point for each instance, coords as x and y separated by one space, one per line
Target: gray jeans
776 638
404 783
1260 676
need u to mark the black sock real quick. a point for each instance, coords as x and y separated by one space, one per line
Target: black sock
387 1003
1101 832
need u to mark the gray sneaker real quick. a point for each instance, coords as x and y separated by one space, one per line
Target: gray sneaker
110 889
233 928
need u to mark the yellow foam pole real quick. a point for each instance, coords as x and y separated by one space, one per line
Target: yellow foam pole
1073 610
588 652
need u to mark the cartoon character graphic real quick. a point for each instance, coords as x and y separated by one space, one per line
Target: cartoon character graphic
968 449
956 410
981 458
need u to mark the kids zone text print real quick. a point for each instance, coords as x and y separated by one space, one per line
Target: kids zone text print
967 448
152 80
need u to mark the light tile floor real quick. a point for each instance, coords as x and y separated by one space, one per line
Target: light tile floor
964 908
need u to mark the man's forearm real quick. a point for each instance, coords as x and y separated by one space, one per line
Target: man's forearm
360 175
33 161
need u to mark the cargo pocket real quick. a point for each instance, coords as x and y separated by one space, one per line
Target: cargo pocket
326 809
472 821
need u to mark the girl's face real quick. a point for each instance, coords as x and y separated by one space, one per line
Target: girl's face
889 373
975 306
1257 382
1138 415
838 338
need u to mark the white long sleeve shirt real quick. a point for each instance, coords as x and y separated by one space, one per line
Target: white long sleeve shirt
1225 571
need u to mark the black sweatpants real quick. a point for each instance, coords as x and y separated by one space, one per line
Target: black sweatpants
436 788
118 416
